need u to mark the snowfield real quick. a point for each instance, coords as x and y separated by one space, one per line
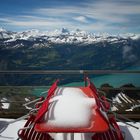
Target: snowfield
11 132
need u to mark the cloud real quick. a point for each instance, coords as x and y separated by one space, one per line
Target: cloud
99 16
30 22
81 19
102 10
36 22
105 13
128 55
126 50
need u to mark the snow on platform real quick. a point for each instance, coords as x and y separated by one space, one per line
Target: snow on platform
71 101
10 131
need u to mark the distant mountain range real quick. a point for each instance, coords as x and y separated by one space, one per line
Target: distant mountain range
64 49
64 36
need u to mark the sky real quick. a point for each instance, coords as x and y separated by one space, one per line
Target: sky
96 16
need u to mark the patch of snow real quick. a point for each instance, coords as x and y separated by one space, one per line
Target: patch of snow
5 105
73 136
71 101
26 106
114 108
136 106
121 96
3 99
133 107
129 109
135 37
130 132
17 46
11 132
116 99
27 99
10 40
126 98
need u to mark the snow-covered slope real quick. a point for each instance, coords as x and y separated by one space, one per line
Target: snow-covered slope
64 36
6 34
122 102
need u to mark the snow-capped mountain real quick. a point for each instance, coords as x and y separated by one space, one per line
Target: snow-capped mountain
122 102
4 34
63 36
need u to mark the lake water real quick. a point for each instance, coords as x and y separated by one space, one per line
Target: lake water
115 80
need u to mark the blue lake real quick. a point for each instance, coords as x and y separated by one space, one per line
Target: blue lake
115 80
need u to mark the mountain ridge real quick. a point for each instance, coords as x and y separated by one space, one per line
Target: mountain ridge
63 36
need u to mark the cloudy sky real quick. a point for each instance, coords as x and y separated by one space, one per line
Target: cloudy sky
97 16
